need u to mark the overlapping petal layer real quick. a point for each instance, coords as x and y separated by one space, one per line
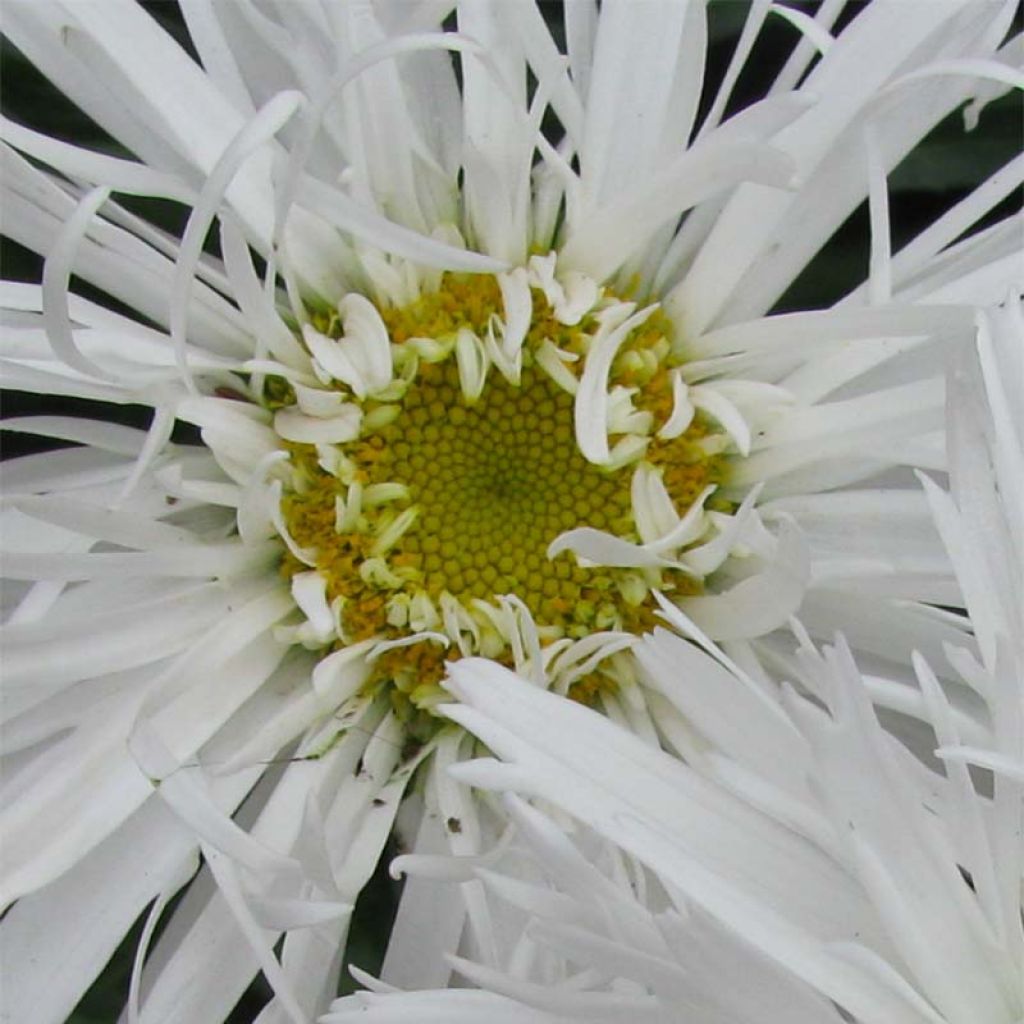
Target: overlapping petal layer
171 701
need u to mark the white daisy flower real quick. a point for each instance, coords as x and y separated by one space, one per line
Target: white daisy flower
465 388
801 864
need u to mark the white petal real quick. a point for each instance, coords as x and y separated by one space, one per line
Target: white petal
343 426
759 603
590 411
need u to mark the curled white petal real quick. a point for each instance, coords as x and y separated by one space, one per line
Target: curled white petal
682 409
716 405
602 548
518 310
309 589
571 296
331 358
367 337
591 406
317 401
705 559
471 359
552 360
383 646
296 426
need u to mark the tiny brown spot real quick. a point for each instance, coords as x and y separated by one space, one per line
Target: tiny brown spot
231 393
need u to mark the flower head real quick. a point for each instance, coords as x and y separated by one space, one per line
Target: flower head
465 387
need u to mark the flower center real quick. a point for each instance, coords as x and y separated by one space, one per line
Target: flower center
465 502
495 482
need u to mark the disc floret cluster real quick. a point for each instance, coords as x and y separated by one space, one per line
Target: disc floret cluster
505 465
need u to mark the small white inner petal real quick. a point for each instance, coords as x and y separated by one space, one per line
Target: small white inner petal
753 538
688 529
682 409
459 623
255 516
575 659
581 295
623 416
333 461
367 335
348 509
305 556
552 360
295 426
383 646
591 407
705 559
518 306
433 350
510 367
572 297
395 285
423 615
309 589
380 494
716 405
341 672
377 573
626 451
600 548
471 357
541 271
331 359
318 401
393 532
653 509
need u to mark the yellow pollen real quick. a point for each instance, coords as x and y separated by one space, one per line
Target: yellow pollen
453 503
